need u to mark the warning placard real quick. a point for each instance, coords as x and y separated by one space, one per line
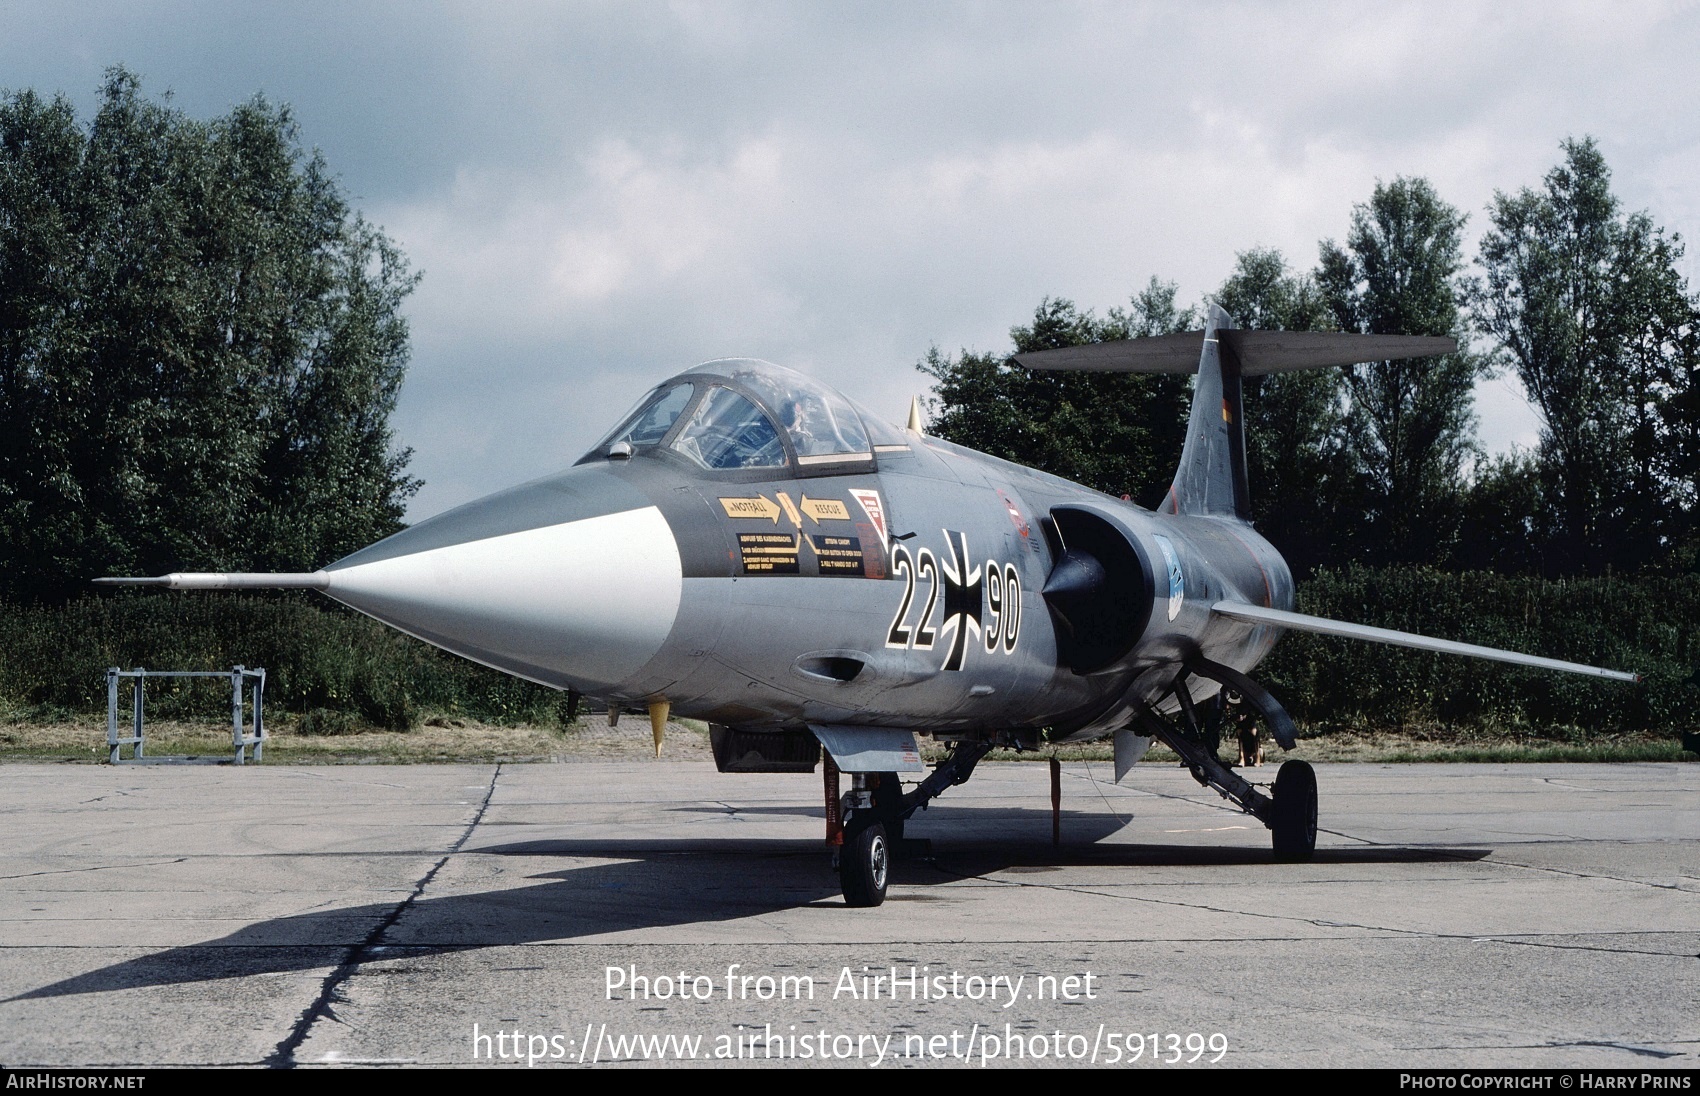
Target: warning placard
768 553
838 555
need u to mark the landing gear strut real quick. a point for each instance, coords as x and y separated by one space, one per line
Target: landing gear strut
871 815
1290 815
863 857
888 805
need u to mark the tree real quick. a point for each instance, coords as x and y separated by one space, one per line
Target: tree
1505 517
1677 458
200 347
1297 471
1408 426
1118 432
1659 324
1587 305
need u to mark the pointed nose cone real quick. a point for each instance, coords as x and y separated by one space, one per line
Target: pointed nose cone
572 581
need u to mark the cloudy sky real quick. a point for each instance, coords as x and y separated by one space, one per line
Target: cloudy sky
601 194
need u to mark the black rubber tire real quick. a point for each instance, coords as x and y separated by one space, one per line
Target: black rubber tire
888 805
864 865
1294 831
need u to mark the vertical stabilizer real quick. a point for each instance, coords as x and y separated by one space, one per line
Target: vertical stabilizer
1211 478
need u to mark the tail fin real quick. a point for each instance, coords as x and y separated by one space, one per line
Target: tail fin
1211 478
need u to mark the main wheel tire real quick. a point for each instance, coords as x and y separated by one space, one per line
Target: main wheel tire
1295 811
864 865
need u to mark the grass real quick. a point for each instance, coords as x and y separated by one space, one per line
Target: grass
449 738
1395 748
437 740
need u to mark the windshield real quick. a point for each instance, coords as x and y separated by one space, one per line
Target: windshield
653 417
728 431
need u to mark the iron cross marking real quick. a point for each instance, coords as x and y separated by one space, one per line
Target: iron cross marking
964 599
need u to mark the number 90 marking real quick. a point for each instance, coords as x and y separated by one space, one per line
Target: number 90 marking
1003 598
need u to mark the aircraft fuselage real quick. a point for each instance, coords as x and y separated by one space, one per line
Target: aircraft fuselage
908 593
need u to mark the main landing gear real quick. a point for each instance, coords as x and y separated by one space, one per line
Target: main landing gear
869 819
1291 814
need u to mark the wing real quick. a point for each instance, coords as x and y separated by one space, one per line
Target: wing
1299 622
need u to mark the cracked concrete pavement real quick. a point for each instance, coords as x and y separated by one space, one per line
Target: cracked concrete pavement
1455 915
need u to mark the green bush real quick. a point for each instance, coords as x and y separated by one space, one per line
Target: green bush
325 721
339 670
1643 624
318 657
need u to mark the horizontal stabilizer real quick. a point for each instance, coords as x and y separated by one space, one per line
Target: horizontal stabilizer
1259 352
1299 622
317 580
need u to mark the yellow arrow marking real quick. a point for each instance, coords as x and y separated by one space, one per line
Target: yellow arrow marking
790 510
759 507
825 509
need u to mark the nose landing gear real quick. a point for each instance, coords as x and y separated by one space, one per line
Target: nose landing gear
867 822
864 865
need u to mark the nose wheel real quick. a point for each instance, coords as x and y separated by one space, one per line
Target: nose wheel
864 865
865 825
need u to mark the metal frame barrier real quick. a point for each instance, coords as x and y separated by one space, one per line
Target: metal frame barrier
244 735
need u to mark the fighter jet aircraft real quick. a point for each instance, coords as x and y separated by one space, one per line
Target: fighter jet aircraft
750 548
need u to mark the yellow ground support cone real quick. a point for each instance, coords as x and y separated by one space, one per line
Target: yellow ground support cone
658 710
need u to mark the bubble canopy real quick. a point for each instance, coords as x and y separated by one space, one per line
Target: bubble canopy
745 414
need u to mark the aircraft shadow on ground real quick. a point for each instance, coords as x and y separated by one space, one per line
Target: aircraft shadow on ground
644 883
